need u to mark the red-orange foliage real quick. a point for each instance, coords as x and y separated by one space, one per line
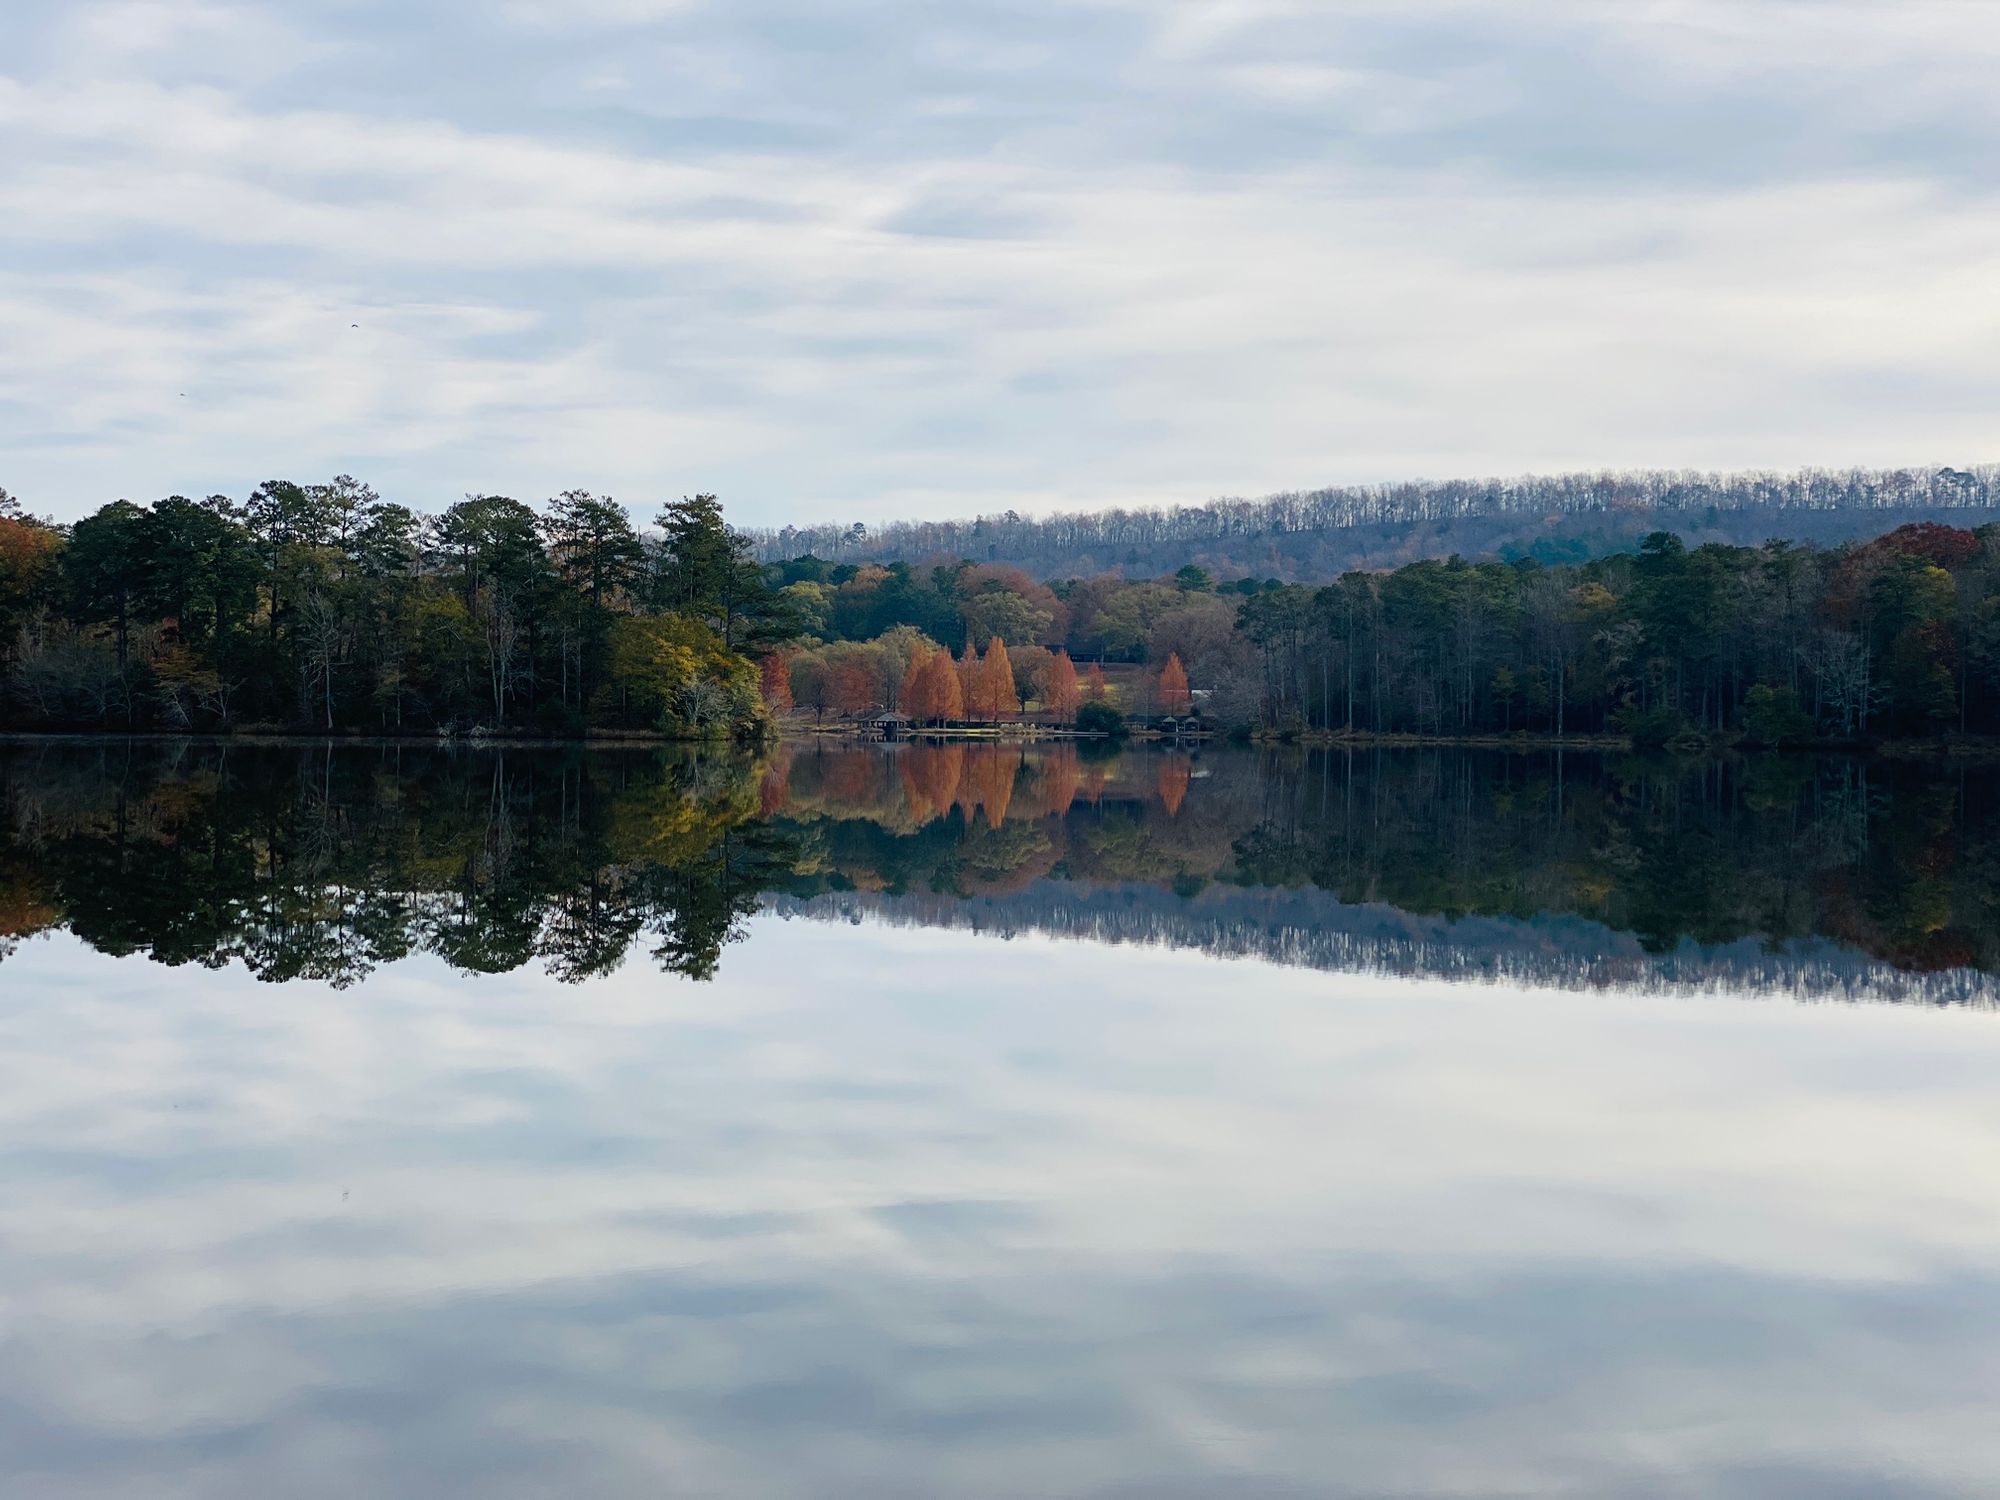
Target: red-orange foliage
1061 775
993 684
934 694
969 681
909 699
1174 695
774 792
1946 546
27 552
777 682
988 785
931 774
1062 696
25 910
854 689
1175 775
1095 688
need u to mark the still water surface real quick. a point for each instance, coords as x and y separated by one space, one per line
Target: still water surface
988 1124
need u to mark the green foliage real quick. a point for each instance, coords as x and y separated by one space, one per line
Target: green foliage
673 674
1100 718
1773 716
323 606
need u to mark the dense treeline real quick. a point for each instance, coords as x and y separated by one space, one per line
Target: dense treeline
1895 637
1304 536
323 606
1782 644
324 862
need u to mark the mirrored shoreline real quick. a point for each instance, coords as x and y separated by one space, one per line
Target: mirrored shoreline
1813 878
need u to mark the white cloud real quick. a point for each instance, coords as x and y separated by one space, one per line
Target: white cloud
851 265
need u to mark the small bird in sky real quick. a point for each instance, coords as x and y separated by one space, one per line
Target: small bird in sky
353 325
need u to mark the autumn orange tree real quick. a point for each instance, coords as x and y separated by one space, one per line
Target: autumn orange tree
934 695
995 679
776 674
855 690
909 700
1095 688
967 667
28 555
1174 695
1060 695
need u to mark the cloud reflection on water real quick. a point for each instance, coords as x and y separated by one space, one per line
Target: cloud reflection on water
917 1213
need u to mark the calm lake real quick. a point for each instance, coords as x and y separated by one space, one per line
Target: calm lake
941 1122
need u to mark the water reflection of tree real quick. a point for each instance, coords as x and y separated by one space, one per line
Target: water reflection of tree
325 863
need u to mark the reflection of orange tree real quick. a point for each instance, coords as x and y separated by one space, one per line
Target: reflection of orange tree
931 774
774 788
1057 776
25 909
988 784
1176 772
1095 777
860 782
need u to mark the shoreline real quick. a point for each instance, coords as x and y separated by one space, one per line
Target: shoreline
634 739
1949 748
1935 747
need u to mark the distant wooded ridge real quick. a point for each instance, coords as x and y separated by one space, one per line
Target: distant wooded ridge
1315 535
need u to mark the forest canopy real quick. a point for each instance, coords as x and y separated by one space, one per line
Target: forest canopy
1314 535
325 607
1776 644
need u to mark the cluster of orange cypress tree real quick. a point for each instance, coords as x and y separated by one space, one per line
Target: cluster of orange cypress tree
937 689
974 687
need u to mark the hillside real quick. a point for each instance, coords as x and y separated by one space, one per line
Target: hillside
1315 536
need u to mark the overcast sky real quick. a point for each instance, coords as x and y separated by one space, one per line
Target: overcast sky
878 258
